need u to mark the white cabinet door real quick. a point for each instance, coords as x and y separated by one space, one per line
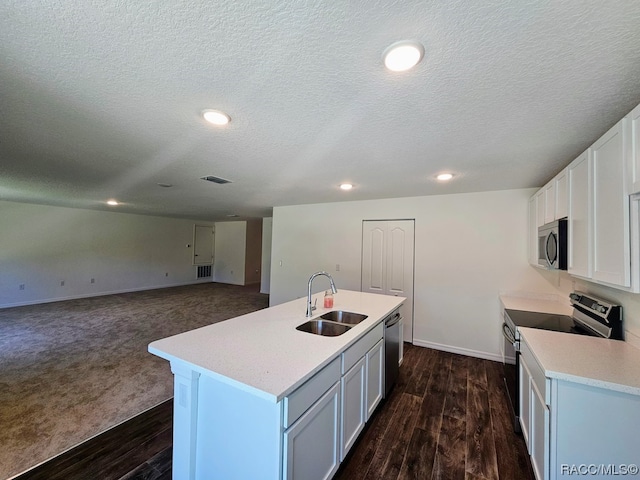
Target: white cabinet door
525 401
611 247
540 208
538 433
311 445
579 174
550 202
354 412
533 231
634 154
562 194
375 382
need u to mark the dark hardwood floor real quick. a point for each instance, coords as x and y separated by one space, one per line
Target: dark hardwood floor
446 418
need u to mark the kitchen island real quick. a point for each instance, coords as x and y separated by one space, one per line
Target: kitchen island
253 394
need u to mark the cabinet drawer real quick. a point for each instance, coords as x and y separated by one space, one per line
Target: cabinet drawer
300 400
359 349
537 374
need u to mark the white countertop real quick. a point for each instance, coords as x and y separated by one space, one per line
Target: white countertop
542 304
262 352
598 362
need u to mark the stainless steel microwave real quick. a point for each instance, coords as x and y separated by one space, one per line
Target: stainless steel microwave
553 244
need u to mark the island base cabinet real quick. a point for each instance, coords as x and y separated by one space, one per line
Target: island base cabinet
311 444
375 377
594 432
354 414
237 434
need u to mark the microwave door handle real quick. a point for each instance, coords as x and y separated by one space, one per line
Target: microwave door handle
546 249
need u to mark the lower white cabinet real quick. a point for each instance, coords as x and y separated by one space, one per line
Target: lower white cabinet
354 406
525 400
311 444
575 429
361 386
538 432
375 376
534 412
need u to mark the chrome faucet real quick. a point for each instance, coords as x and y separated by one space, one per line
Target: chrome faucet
311 308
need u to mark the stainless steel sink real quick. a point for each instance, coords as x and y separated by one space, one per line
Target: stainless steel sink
340 316
324 328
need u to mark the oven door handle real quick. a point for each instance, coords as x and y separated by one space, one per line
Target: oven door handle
508 334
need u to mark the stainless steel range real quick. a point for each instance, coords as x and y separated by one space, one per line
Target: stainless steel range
590 316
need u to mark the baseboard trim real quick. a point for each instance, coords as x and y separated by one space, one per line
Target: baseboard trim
100 294
462 351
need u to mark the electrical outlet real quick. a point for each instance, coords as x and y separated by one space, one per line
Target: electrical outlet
93 280
337 267
62 283
21 286
166 274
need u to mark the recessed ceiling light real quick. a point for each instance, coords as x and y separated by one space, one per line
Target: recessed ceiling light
402 56
113 203
443 177
346 186
216 117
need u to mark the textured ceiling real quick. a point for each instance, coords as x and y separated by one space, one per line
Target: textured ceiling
100 99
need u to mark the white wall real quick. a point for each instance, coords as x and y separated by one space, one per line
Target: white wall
230 252
565 284
42 246
265 280
469 248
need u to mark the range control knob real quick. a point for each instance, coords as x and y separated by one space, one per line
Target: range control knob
601 308
574 296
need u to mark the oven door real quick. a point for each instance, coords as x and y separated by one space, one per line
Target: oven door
510 372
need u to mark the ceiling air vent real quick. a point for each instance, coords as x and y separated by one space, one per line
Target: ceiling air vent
211 178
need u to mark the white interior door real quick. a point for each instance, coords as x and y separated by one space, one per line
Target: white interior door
387 263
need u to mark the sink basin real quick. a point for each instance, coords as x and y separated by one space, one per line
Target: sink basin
320 327
348 318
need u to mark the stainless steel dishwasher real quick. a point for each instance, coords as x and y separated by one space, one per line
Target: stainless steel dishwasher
391 350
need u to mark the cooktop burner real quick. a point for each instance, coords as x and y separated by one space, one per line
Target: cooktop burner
545 321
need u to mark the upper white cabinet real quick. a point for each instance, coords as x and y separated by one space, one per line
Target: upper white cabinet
561 183
533 231
540 208
611 246
579 224
593 192
634 150
550 202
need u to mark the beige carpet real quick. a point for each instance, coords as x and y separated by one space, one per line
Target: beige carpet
70 370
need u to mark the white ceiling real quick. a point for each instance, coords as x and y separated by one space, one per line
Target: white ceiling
100 99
